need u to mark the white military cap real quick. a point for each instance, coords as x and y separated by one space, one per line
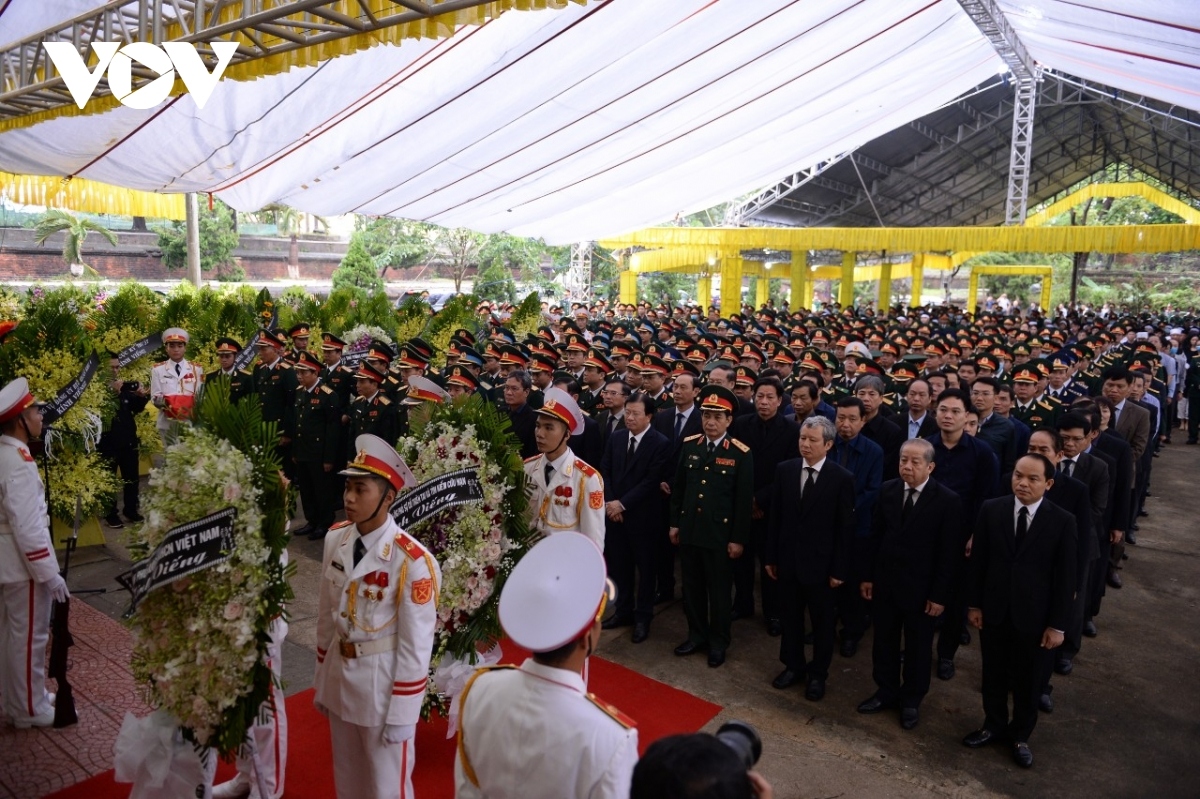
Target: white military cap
175 334
422 389
377 457
14 399
555 593
557 404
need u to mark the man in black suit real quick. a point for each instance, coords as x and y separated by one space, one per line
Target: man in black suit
772 438
635 461
516 388
611 416
919 420
677 424
916 541
588 444
1022 576
879 427
809 528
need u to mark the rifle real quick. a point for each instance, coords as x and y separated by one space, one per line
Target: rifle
61 640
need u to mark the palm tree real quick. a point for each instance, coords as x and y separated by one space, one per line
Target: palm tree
76 229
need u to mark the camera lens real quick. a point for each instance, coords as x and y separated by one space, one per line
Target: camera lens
743 740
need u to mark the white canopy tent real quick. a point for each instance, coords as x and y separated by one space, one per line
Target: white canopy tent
596 119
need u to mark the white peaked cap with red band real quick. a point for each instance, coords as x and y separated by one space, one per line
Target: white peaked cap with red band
14 399
377 457
555 593
558 404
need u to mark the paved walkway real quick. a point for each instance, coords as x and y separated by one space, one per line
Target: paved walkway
1125 722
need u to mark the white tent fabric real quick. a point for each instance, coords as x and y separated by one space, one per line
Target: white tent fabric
20 19
590 121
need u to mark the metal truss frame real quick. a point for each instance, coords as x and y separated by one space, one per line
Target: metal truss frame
579 274
30 83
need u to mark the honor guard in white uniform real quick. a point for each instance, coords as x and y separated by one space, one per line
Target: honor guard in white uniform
568 494
174 383
535 732
377 611
29 578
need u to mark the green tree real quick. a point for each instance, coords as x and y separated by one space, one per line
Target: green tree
76 229
396 243
457 250
666 287
218 239
357 270
495 282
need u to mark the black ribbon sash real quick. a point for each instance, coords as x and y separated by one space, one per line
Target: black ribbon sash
184 550
70 393
434 496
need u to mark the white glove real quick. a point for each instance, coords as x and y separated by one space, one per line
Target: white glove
58 588
398 733
324 711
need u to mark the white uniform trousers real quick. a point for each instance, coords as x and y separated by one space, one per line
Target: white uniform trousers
270 732
24 633
367 767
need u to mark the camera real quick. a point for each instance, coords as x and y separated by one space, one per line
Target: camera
743 739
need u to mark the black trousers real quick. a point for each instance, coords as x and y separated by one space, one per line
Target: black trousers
851 607
954 619
1073 635
893 622
629 555
127 462
318 492
1014 661
707 603
744 570
664 562
794 598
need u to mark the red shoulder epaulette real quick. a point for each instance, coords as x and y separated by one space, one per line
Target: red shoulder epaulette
584 467
410 547
612 712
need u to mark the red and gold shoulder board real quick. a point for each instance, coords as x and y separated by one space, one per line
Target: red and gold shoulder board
740 445
410 546
694 437
25 456
612 712
585 468
532 458
340 525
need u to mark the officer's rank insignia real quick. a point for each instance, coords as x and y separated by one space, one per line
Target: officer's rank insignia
25 456
726 462
422 590
596 500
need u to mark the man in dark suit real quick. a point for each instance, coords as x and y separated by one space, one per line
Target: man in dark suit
916 541
919 421
1022 576
516 388
772 438
1131 422
678 424
587 445
635 461
611 411
994 429
864 459
809 528
879 426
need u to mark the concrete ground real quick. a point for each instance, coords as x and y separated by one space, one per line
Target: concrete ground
1126 721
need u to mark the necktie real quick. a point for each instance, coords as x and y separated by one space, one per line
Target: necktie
178 369
678 425
810 475
1067 464
360 549
1022 525
711 448
632 447
549 471
909 501
612 424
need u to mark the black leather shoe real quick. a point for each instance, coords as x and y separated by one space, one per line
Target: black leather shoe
641 631
786 679
114 521
849 647
774 628
134 517
1046 703
872 705
616 622
1021 755
305 530
910 717
965 638
317 534
716 658
945 669
979 738
1063 666
687 648
1089 629
1114 579
815 691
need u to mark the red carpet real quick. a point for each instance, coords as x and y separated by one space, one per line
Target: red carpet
659 710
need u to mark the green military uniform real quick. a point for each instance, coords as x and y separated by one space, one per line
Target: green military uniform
664 400
711 499
341 380
1040 415
240 381
317 442
589 403
275 387
376 416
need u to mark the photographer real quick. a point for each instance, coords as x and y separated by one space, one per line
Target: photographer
702 766
119 444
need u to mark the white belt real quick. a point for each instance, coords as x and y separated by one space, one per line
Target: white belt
363 648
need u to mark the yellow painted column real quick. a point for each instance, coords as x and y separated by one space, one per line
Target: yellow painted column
1047 287
628 289
799 275
918 277
972 292
731 284
704 290
762 290
846 286
884 300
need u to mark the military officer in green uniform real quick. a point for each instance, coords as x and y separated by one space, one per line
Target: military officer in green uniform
711 500
274 383
316 446
371 411
1037 413
240 381
334 373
